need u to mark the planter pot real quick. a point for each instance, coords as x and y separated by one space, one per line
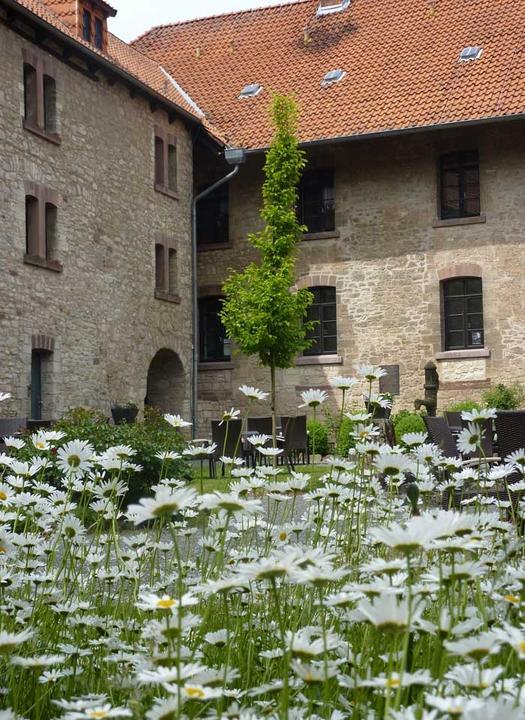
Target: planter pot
123 414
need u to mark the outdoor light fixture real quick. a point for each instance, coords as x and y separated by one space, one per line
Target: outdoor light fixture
235 156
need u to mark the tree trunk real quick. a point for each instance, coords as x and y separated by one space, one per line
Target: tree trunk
274 413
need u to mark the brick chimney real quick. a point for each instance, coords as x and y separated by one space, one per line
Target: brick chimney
86 18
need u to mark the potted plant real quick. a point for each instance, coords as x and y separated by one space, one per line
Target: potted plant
126 413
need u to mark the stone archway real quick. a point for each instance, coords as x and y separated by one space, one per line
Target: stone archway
166 386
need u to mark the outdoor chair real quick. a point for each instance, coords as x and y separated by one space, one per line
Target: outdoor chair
295 440
261 425
440 434
233 446
454 421
11 426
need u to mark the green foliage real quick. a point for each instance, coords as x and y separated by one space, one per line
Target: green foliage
406 422
260 313
345 441
462 405
319 432
146 438
505 397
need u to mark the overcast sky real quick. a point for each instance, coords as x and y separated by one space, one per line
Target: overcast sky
136 16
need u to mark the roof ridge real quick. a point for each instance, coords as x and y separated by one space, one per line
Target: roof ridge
259 8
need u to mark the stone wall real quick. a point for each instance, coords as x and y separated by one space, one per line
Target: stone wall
100 310
387 259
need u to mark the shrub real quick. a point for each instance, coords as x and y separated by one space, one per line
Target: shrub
345 441
146 438
505 397
464 405
319 432
405 422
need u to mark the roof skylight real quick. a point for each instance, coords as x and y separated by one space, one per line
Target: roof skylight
251 90
327 7
333 76
472 52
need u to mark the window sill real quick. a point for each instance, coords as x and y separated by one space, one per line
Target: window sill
460 221
50 137
41 262
463 354
207 247
319 360
167 297
226 365
163 190
328 235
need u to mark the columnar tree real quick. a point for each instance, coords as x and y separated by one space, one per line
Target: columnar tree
261 314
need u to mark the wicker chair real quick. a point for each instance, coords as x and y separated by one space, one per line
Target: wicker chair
454 421
440 434
295 439
262 425
233 447
510 428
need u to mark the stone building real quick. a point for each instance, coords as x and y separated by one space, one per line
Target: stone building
412 120
412 117
95 240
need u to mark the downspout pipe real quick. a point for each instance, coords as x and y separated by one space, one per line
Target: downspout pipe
195 298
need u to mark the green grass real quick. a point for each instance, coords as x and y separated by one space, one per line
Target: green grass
222 483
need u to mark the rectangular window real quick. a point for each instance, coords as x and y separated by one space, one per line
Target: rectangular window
30 94
213 217
172 168
99 33
51 240
86 25
459 185
214 346
50 104
160 269
172 271
323 312
32 239
159 162
463 313
316 207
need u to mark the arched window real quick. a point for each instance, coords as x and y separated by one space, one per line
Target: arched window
214 346
323 313
462 317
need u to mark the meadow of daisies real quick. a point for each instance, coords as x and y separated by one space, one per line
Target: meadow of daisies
355 596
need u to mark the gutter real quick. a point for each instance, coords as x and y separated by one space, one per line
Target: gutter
458 124
94 57
194 289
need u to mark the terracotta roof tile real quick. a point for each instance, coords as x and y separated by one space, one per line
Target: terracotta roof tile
401 59
136 64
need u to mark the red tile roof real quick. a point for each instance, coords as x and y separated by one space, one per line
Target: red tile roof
136 65
401 59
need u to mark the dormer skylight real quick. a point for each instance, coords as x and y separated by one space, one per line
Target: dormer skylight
327 7
250 91
473 52
334 76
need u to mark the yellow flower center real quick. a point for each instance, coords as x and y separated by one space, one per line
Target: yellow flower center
393 682
194 692
514 599
97 713
3 550
282 535
521 647
3 495
40 445
166 603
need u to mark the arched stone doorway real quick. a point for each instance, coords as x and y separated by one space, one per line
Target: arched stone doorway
166 387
